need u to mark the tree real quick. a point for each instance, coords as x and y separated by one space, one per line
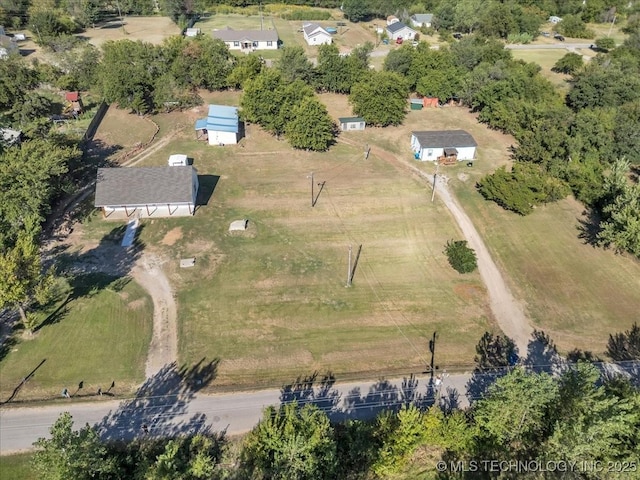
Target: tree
356 10
245 68
399 60
72 454
32 107
622 225
17 80
442 84
294 65
291 443
461 257
311 127
573 26
331 72
625 132
515 417
570 63
495 352
381 99
193 457
625 346
605 44
200 62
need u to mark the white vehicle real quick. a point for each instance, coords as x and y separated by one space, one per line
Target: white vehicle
178 160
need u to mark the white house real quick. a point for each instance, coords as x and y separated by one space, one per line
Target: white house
221 126
400 30
248 40
314 34
421 20
144 192
443 145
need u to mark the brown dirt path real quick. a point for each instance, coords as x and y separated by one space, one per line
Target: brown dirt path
507 311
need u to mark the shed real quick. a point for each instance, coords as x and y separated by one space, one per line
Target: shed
443 146
416 103
391 19
178 160
191 32
74 102
430 102
351 123
314 34
221 126
146 192
421 20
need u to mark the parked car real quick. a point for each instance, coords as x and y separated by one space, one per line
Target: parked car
557 36
399 40
544 34
457 36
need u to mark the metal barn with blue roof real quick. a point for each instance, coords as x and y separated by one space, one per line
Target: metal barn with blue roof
221 126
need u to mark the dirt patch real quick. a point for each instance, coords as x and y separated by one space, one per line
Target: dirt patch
172 237
468 292
137 304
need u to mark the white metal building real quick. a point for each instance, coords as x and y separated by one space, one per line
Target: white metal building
146 192
436 145
221 125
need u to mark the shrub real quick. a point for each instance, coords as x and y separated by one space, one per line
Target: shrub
461 258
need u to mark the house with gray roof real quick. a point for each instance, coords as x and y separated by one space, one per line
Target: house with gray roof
446 146
421 20
141 192
315 34
248 40
400 30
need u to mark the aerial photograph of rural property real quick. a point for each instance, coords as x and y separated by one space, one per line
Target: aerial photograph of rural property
319 239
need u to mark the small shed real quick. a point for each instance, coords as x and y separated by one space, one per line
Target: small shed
416 103
191 32
430 102
351 123
178 160
221 127
74 102
443 146
391 19
146 192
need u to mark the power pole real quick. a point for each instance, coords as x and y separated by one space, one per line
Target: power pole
612 22
349 268
120 14
312 198
435 176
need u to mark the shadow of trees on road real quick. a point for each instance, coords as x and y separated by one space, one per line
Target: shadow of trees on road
160 407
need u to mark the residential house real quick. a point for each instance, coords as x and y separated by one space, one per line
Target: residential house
314 34
400 30
443 146
146 192
248 40
421 20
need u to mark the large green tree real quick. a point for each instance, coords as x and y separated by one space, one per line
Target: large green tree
381 99
310 127
291 443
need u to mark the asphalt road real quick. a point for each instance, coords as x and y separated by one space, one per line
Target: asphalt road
549 46
172 414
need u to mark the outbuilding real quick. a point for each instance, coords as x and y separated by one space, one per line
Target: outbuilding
351 123
221 127
421 20
141 192
400 30
443 146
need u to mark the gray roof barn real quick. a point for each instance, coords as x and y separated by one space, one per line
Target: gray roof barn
230 35
142 186
445 138
422 17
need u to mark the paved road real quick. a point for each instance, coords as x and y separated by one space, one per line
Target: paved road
548 46
235 412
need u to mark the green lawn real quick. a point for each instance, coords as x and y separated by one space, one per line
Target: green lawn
98 339
546 58
17 467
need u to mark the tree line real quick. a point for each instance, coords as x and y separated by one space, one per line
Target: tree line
580 416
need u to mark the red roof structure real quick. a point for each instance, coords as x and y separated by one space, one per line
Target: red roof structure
72 96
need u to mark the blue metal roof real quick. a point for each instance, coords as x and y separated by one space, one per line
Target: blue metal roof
221 118
222 111
201 124
217 127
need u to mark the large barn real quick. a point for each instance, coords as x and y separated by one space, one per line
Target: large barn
146 192
443 145
221 126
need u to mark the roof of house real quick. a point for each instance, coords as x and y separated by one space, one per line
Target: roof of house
9 136
141 186
313 29
230 35
445 138
350 119
422 17
396 27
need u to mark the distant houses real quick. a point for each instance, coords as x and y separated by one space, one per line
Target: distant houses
146 192
221 127
399 30
419 20
248 40
314 34
443 146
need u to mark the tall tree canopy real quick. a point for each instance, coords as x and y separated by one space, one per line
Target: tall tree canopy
381 99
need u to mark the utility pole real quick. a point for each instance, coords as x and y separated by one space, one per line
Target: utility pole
432 349
349 268
612 22
435 176
312 198
120 14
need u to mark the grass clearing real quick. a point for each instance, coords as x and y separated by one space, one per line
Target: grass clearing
17 467
97 338
546 58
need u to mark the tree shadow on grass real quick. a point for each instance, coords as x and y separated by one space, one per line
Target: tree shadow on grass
589 227
160 407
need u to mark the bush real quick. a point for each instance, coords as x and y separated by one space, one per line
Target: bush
461 258
570 64
523 38
307 14
605 43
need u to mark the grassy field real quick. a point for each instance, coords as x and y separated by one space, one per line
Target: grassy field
96 338
17 467
546 58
